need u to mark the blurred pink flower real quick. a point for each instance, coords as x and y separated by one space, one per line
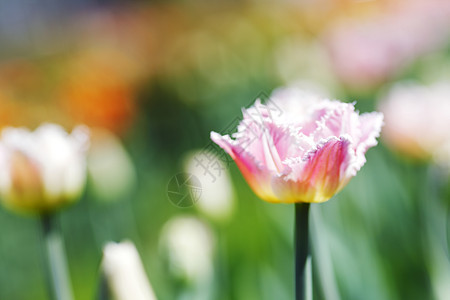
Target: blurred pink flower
300 148
365 54
418 121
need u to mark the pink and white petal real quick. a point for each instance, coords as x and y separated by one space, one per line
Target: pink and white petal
370 128
321 174
258 113
269 144
371 124
251 131
294 106
286 142
254 172
339 119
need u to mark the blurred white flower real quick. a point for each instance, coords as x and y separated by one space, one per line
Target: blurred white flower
44 169
418 120
110 167
124 272
189 245
217 197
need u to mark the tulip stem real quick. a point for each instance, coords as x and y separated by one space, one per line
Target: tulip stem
103 289
301 248
57 276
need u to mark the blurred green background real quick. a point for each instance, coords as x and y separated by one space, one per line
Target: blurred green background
154 78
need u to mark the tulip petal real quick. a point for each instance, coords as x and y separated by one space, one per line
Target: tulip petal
254 172
270 146
370 128
319 175
337 119
371 124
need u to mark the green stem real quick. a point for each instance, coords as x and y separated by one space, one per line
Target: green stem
56 265
301 247
103 289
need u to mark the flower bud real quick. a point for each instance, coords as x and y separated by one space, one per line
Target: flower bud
124 272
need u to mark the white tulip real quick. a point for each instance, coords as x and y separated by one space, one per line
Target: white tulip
111 170
216 199
124 272
44 169
189 245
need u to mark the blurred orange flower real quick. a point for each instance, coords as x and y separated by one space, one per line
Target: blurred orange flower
96 90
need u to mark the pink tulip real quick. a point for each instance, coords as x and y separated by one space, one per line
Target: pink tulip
299 147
